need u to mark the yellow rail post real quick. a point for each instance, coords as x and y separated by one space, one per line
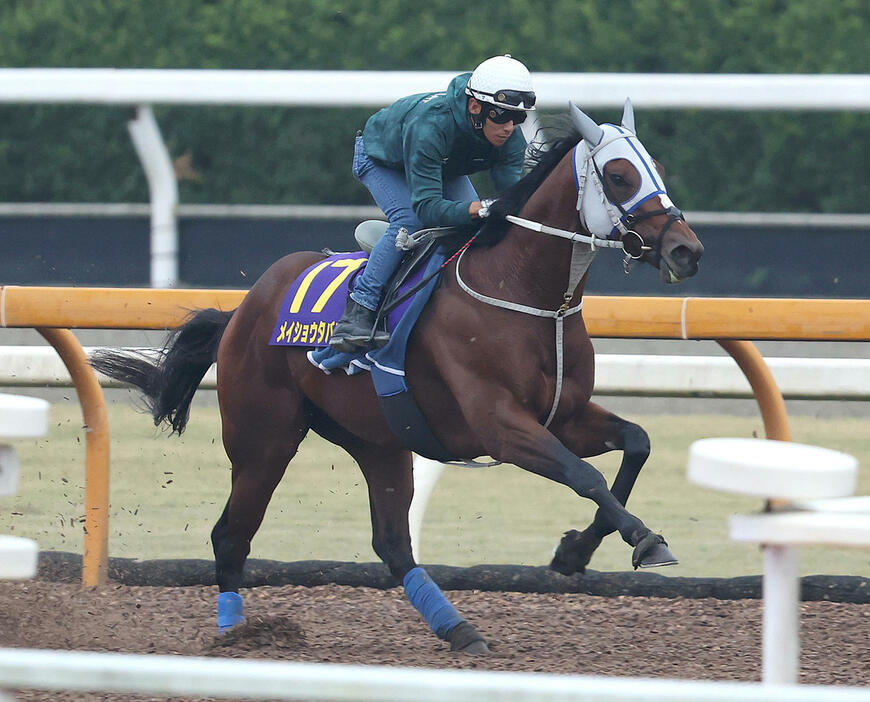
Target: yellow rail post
95 560
764 387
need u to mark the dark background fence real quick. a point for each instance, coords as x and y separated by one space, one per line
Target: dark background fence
739 260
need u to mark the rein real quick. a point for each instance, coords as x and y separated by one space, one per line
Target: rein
631 242
593 241
577 265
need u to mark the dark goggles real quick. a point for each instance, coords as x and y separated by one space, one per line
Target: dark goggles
499 115
521 99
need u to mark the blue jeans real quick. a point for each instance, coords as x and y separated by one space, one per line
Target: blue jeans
391 194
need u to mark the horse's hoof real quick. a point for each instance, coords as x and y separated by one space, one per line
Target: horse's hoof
476 648
660 555
563 568
652 552
570 555
464 638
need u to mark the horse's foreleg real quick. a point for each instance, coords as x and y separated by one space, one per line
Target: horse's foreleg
599 431
389 477
527 444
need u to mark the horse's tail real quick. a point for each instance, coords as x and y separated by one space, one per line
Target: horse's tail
169 380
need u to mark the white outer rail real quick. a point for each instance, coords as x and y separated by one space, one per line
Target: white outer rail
257 679
615 374
136 86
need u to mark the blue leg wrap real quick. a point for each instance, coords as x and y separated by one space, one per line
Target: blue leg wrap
427 598
229 610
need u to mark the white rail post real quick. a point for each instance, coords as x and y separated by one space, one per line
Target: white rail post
780 649
426 475
20 418
163 188
783 473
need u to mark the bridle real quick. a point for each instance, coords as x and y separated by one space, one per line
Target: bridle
630 241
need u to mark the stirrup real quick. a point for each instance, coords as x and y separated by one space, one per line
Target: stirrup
354 330
380 338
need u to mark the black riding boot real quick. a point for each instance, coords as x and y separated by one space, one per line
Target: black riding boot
354 329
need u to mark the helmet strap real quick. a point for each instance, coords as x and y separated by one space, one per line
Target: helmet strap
477 120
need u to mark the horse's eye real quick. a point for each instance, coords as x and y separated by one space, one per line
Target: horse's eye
617 179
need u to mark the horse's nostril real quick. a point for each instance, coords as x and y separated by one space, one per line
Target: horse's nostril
683 256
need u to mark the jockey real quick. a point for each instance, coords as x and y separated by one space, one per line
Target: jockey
415 157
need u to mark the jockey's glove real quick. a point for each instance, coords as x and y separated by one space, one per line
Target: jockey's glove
483 212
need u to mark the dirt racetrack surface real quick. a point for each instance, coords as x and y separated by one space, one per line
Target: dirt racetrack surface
554 633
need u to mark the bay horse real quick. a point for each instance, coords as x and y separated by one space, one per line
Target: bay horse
482 363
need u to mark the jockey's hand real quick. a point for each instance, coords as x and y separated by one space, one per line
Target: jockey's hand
480 210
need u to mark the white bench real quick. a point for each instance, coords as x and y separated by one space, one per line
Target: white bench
805 488
20 418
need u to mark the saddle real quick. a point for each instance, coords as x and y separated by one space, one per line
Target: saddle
419 246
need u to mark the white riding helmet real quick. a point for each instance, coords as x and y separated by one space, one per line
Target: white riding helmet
504 82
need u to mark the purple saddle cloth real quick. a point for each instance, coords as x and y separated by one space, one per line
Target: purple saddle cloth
316 300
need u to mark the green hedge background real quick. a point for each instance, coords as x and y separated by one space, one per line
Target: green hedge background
716 160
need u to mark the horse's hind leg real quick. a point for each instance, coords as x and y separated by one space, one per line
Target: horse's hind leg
260 439
598 431
389 475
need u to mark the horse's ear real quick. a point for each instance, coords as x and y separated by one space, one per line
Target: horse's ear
660 168
628 116
591 132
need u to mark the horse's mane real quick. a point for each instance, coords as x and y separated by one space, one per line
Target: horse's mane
540 160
